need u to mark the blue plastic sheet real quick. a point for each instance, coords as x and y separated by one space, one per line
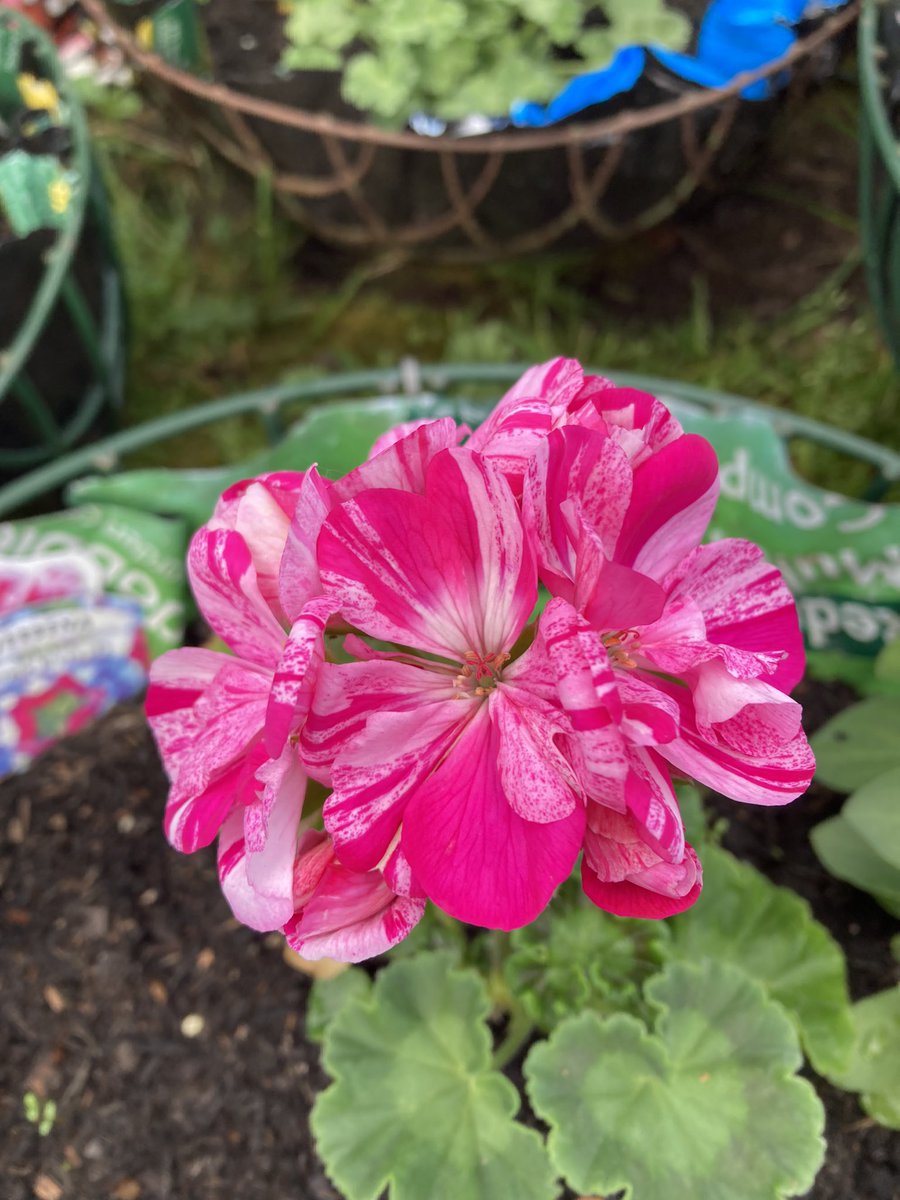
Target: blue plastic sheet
735 36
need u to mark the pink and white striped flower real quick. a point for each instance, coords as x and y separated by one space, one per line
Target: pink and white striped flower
476 740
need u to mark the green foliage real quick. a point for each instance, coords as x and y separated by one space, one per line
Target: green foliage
874 1070
575 957
858 744
452 60
859 749
770 933
327 997
415 1106
40 1113
705 1104
850 857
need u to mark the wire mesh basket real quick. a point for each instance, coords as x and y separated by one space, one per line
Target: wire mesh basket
497 194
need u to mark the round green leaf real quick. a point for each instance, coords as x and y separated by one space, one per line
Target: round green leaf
574 957
874 813
770 933
851 858
706 1106
858 744
875 1067
415 1106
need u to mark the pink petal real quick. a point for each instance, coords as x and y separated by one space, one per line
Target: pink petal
225 586
352 916
295 675
747 609
778 777
258 884
178 678
260 511
673 497
748 715
613 597
403 463
298 576
576 476
587 691
448 572
652 803
376 773
639 422
535 776
348 694
621 874
194 815
473 855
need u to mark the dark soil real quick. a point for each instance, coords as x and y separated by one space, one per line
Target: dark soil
110 941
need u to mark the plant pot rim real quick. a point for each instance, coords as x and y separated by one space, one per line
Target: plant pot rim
508 141
60 254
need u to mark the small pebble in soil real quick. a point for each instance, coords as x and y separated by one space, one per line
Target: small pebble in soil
193 1025
46 1188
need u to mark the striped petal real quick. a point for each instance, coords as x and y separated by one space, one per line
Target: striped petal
448 572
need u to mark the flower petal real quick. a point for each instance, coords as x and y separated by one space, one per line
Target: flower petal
576 476
473 855
747 609
298 573
403 463
673 497
295 676
352 916
448 572
375 775
622 875
225 587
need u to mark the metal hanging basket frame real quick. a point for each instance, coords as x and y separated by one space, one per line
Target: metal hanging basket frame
101 335
466 173
879 180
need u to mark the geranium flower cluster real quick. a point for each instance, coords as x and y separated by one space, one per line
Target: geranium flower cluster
469 661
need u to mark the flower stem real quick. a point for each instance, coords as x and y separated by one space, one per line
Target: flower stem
518 1031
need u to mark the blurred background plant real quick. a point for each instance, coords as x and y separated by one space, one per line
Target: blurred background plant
453 60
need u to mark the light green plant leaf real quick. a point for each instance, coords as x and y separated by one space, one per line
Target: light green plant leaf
705 1106
887 666
415 1106
575 957
851 858
874 813
380 85
874 1070
858 744
770 933
327 998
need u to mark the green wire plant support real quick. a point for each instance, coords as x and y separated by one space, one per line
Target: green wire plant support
421 383
879 170
71 338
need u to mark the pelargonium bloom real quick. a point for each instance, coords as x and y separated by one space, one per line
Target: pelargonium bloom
477 736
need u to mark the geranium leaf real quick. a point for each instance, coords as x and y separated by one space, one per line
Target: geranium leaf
415 1106
327 998
770 933
706 1105
858 744
874 813
851 858
574 957
875 1067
